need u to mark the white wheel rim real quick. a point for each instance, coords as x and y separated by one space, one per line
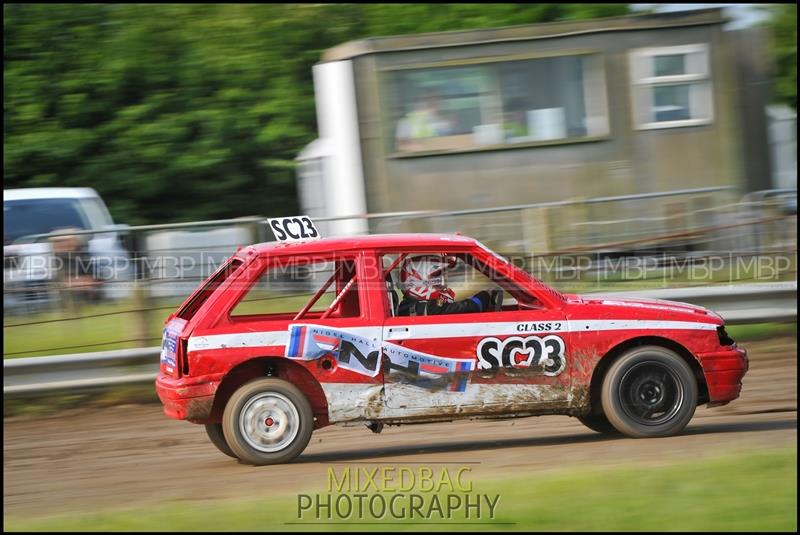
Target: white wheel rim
269 422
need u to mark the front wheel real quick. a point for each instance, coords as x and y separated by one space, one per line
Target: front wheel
267 421
649 391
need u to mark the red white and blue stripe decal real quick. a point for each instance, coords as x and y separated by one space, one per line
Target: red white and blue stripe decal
352 352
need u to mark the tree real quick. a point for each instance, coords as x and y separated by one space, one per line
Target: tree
177 112
783 25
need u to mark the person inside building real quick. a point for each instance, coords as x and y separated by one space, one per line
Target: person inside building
423 281
424 121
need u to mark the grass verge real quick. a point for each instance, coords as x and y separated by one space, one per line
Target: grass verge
761 331
746 491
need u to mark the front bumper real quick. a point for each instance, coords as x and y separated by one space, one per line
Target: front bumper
724 371
188 398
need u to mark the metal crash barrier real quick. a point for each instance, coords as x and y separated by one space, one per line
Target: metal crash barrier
32 376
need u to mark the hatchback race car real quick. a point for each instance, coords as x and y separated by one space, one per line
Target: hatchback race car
285 338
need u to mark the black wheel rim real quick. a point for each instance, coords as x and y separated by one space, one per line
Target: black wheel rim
651 393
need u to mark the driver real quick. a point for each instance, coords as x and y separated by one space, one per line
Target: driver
423 280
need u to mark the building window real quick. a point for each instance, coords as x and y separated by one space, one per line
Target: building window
498 103
671 86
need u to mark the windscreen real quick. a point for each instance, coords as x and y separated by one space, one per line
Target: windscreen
40 216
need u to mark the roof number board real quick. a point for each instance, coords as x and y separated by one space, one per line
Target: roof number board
293 229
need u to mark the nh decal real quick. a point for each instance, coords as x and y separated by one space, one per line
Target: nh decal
364 355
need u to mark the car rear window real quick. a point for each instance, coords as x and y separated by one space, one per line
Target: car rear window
194 303
287 286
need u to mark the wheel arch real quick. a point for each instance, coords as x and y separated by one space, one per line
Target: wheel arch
272 366
620 349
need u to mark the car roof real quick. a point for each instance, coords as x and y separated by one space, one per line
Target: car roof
48 193
371 241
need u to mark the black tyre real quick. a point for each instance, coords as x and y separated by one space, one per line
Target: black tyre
650 391
267 421
599 423
214 432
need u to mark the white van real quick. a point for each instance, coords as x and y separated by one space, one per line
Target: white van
30 213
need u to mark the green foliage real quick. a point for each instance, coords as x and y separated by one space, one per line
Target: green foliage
178 112
783 24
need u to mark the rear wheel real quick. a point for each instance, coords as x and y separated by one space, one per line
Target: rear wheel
649 391
214 432
599 423
267 421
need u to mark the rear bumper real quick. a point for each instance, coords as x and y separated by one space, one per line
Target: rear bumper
724 371
189 398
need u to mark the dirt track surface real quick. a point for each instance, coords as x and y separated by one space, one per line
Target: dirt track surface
88 460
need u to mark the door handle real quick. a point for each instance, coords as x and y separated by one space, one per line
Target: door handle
397 333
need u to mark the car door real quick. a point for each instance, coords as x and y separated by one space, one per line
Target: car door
494 361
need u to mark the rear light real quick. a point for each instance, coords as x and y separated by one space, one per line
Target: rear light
724 338
183 356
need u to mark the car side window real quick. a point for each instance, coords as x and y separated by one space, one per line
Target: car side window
464 280
514 296
308 285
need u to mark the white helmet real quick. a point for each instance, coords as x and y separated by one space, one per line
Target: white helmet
425 277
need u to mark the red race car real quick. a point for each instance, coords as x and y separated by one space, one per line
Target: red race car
289 337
